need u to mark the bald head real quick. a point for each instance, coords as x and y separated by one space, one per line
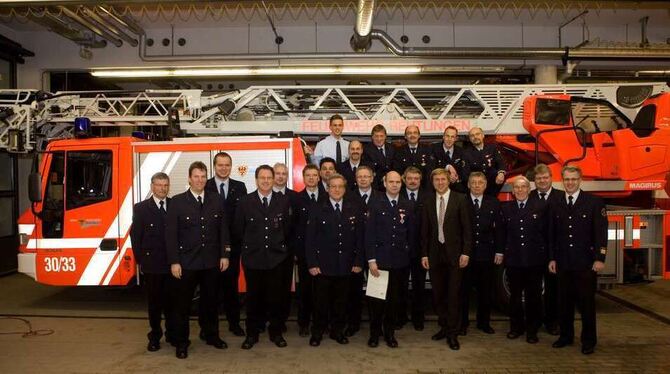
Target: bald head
392 183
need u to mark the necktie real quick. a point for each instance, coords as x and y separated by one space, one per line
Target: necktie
449 154
338 152
313 198
413 150
570 202
477 204
543 195
222 190
265 202
521 205
365 197
337 210
412 196
200 200
394 203
162 207
440 221
381 149
354 169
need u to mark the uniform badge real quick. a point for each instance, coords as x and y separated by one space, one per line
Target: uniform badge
604 212
401 213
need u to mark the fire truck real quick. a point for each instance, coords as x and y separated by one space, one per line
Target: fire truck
83 190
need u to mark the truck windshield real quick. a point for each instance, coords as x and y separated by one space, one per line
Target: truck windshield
89 178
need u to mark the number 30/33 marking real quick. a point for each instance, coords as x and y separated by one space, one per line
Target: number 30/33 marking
57 264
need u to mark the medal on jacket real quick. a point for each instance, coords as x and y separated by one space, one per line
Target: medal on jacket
401 213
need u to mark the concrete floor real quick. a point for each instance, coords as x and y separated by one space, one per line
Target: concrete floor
103 330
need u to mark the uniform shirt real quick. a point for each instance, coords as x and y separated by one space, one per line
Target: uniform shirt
339 204
327 147
368 192
574 197
158 202
546 194
269 196
279 189
409 194
524 202
315 193
201 195
226 184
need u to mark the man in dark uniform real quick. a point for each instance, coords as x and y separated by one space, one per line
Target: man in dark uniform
230 192
263 219
450 156
414 193
486 253
348 168
485 158
545 193
379 155
414 154
327 167
334 250
389 238
198 248
525 226
446 245
578 250
308 197
147 235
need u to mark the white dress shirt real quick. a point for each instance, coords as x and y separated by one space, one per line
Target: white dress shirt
328 148
158 202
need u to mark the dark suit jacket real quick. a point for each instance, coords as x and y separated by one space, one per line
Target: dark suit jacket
196 237
416 207
390 232
487 229
381 165
301 213
265 231
344 169
373 193
147 235
423 160
236 190
457 160
555 193
525 233
335 244
457 230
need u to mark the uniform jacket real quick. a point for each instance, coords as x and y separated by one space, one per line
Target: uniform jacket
301 212
487 226
526 240
380 164
390 232
423 160
147 235
344 169
236 190
457 160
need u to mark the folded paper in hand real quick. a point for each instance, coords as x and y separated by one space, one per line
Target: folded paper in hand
377 286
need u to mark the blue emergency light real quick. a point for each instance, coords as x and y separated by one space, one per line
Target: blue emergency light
82 127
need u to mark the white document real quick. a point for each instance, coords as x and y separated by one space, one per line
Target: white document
377 286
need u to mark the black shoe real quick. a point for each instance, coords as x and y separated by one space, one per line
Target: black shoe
452 342
513 334
562 342
391 342
153 345
487 329
249 342
588 349
236 329
315 341
418 325
279 341
439 335
304 331
532 339
217 343
351 331
341 339
182 352
553 330
373 342
463 331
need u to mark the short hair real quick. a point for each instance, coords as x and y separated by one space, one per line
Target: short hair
451 127
521 178
417 128
264 167
197 165
438 171
378 128
412 169
309 167
280 165
477 174
337 176
160 175
222 154
571 169
541 169
326 159
365 167
335 117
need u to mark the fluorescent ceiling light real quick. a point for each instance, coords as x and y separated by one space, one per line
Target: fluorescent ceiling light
209 72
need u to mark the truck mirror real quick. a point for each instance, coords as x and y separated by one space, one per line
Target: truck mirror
35 187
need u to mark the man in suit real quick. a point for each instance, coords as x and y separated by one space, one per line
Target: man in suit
147 235
525 247
544 193
263 219
415 154
450 156
578 247
446 244
334 145
334 250
389 238
486 158
379 155
327 167
230 192
414 193
307 198
198 248
348 168
487 252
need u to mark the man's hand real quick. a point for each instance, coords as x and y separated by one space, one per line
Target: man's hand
598 266
374 270
453 175
315 271
223 264
499 259
463 261
175 269
356 269
552 267
424 263
308 150
500 178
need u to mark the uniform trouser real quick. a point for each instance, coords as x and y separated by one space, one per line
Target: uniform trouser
208 280
418 304
446 281
158 304
266 290
550 299
478 274
578 287
383 313
305 291
525 285
355 299
330 299
230 288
